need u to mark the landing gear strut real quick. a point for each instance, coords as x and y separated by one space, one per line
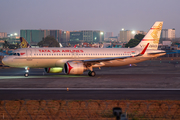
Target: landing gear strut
26 72
91 73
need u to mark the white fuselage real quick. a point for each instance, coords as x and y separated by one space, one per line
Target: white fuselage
56 57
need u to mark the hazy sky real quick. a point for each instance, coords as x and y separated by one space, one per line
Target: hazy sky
105 15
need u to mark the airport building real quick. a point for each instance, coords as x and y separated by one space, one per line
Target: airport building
126 35
56 34
112 39
168 34
10 38
65 38
88 36
109 34
3 34
35 36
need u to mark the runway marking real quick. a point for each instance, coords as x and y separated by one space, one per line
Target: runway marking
49 76
91 89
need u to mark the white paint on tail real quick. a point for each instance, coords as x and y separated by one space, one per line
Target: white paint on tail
152 37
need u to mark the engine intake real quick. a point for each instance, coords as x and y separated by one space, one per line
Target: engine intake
74 67
53 70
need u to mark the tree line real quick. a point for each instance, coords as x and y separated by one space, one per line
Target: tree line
134 42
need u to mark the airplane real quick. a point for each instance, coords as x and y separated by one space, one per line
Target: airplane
77 60
24 43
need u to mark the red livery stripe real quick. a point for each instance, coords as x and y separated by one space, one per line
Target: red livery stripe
22 53
148 39
144 49
69 68
155 28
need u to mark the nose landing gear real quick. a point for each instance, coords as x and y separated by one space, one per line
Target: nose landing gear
26 74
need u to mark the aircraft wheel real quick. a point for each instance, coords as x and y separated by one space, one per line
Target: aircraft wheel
26 74
91 73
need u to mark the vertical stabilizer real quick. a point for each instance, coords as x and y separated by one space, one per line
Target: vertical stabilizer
152 37
24 43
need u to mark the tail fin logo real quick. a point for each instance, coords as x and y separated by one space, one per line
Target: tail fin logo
24 43
155 32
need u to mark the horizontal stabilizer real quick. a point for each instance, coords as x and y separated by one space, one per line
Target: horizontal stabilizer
156 53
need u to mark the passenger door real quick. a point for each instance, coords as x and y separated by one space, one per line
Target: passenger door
28 55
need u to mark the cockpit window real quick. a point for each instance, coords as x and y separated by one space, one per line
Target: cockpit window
11 53
15 54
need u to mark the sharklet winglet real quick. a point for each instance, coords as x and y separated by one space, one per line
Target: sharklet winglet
144 50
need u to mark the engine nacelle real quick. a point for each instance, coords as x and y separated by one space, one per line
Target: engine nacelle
53 70
74 67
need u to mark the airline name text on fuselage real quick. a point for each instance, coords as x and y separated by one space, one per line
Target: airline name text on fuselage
56 51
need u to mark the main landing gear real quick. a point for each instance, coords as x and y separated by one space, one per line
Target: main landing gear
26 72
91 73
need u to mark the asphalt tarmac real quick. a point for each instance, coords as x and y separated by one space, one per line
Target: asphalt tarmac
158 80
90 94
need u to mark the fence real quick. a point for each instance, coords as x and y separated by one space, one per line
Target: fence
88 110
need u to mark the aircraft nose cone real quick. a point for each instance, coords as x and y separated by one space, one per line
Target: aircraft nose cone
4 61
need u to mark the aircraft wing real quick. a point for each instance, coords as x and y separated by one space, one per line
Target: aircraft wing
106 59
115 58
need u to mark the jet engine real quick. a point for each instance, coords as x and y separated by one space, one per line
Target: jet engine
53 70
74 67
